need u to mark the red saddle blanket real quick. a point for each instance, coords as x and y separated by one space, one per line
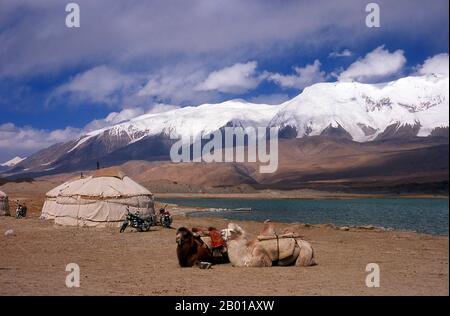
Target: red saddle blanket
216 239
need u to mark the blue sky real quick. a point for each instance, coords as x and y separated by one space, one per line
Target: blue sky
131 57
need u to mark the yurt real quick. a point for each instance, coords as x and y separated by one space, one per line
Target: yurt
99 200
4 204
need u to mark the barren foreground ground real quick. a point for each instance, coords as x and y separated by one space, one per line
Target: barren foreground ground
34 261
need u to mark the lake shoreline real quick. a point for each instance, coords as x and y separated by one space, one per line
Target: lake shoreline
188 212
296 195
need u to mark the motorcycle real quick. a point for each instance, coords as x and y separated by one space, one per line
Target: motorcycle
135 221
21 211
165 219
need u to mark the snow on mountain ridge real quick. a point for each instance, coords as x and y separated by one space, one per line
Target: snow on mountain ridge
13 162
192 120
205 118
363 110
357 107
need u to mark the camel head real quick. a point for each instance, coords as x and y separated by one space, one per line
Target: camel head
183 236
233 231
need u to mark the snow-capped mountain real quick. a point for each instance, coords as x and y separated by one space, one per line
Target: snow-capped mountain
13 162
189 121
146 137
367 112
408 107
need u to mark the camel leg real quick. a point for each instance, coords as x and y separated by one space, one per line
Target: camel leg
306 256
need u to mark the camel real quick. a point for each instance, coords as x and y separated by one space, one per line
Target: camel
192 250
268 249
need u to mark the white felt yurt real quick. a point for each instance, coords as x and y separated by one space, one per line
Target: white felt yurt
100 200
4 204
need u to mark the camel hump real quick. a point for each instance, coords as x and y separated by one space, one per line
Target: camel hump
279 249
269 229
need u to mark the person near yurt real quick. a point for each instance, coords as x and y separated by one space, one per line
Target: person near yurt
100 200
4 204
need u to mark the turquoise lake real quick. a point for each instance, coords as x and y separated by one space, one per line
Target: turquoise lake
421 215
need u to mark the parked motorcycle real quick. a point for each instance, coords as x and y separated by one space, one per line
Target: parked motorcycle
165 219
135 221
21 211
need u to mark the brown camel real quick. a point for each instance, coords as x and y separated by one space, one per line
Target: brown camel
192 250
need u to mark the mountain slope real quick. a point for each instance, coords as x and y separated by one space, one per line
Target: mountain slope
326 163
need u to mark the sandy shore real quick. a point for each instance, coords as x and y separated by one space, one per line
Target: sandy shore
33 262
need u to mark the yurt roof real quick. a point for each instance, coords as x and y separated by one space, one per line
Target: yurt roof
105 183
73 183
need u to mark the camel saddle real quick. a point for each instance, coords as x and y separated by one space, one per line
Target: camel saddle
207 241
216 238
278 247
212 238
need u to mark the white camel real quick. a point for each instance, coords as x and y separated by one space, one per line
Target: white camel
268 249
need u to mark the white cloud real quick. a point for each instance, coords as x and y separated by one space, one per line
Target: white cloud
176 85
100 84
376 65
238 78
23 141
345 53
144 32
438 64
303 77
